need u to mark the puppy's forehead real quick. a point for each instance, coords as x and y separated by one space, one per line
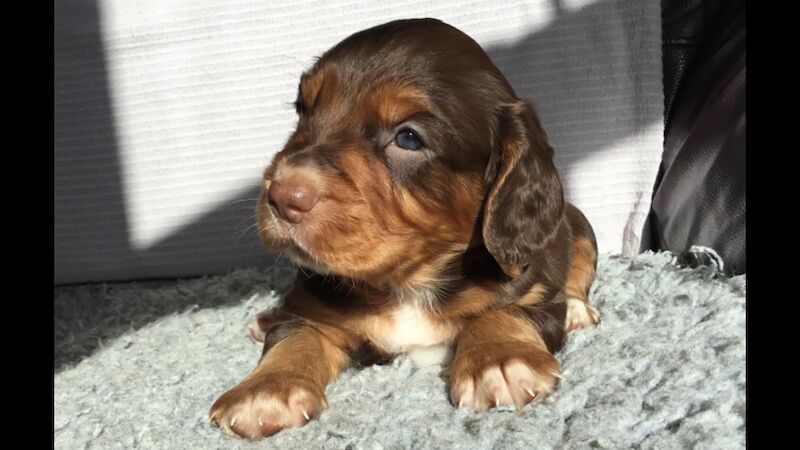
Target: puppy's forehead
412 55
388 97
406 42
397 100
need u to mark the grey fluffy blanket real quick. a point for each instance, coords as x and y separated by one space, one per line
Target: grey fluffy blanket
138 365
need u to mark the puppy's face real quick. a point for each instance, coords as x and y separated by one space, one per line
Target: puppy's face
402 139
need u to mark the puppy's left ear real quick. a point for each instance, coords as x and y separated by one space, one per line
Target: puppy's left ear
525 201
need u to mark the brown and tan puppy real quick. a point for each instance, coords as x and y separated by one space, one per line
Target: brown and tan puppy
419 194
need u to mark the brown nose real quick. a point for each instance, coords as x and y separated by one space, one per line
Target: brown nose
293 199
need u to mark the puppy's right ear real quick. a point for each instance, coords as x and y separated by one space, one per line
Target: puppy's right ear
525 202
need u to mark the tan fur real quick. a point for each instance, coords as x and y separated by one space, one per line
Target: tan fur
395 102
489 350
312 85
580 313
287 386
581 271
535 295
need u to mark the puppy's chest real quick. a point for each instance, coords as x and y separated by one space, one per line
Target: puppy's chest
410 328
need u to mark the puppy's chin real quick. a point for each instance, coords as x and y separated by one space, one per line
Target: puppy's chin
281 238
301 258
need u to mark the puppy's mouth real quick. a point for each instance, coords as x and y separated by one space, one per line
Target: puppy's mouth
284 237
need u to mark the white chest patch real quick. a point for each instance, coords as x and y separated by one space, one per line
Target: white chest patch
411 328
432 355
414 333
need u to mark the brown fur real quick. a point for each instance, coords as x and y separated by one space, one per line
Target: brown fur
466 241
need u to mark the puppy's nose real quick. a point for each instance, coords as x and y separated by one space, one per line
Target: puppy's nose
293 199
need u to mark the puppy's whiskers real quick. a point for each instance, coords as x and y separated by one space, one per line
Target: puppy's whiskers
241 200
248 230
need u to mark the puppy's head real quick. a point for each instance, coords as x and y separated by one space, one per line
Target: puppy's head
410 145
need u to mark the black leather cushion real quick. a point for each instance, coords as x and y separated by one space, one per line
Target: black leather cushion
699 194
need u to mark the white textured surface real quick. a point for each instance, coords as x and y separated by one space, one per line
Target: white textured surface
167 112
138 366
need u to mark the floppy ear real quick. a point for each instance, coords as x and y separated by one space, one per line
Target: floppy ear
525 201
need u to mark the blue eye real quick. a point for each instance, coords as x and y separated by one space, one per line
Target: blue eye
408 140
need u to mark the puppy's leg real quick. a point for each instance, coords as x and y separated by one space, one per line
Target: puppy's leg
287 387
581 273
502 358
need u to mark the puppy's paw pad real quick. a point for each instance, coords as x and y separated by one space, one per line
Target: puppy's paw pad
580 314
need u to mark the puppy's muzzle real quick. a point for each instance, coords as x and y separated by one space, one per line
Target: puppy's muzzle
292 198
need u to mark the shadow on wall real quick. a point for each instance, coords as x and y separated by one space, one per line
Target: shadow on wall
92 240
85 148
84 139
576 99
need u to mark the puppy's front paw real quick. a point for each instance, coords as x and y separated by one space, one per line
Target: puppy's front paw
502 374
266 404
579 315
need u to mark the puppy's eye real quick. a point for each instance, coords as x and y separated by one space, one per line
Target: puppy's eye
408 140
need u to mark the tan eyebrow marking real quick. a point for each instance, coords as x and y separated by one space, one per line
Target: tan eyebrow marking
311 85
395 102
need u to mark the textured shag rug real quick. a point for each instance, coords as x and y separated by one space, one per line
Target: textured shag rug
137 365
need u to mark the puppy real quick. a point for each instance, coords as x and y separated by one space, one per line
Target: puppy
418 194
